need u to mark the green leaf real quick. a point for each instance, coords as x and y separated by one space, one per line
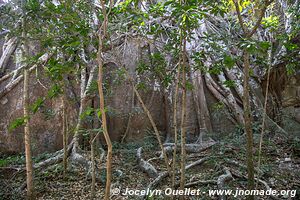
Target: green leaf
54 91
37 104
16 123
87 112
99 113
229 83
229 61
189 85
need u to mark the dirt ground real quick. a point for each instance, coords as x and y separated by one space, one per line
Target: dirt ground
280 169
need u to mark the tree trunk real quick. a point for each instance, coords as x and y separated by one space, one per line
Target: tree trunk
183 115
29 168
248 124
27 140
175 127
203 105
102 35
246 100
105 131
103 117
166 114
196 107
65 137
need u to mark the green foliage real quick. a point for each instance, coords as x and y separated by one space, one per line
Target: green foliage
37 104
20 121
189 85
218 106
229 83
142 68
229 61
88 113
271 22
141 86
12 160
93 87
54 91
33 5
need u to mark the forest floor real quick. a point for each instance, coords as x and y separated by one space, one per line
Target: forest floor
280 169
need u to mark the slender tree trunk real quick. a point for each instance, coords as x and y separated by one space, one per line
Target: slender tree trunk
183 115
264 111
65 136
101 37
27 140
105 131
248 128
29 168
166 114
246 99
175 128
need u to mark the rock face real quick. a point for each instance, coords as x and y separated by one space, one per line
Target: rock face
291 94
45 125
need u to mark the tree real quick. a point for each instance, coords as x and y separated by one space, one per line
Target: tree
102 36
246 99
29 167
27 138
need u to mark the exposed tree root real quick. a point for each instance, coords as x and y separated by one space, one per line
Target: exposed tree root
222 179
218 94
156 181
267 187
163 175
145 166
193 164
73 154
200 182
238 111
198 162
77 158
236 76
56 158
190 148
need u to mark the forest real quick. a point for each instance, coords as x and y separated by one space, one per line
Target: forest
157 99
